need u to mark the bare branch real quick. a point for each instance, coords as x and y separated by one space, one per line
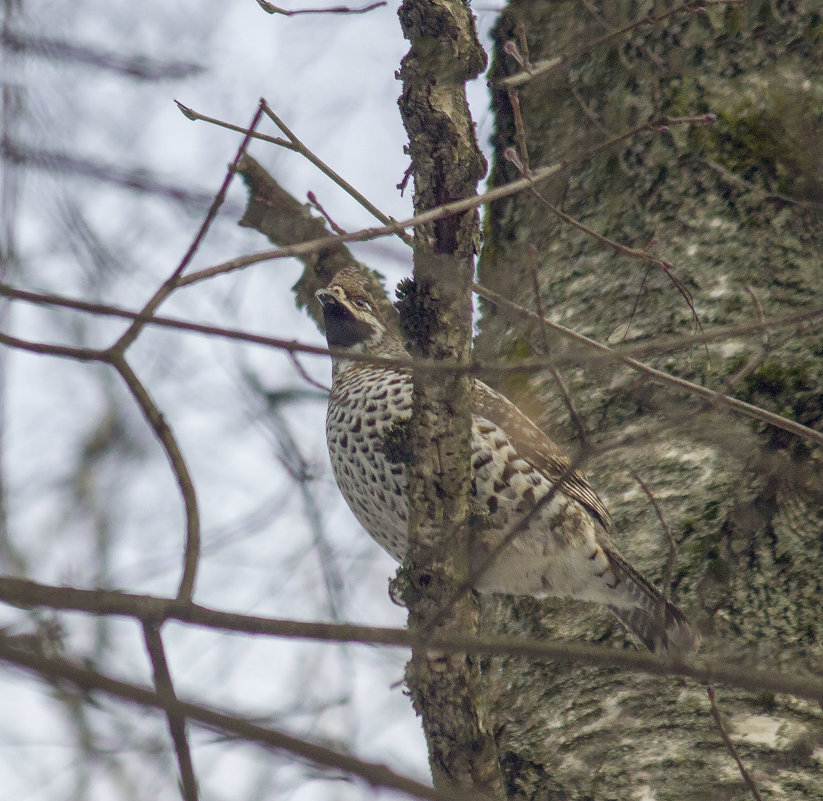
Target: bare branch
477 368
669 571
47 349
91 681
170 284
28 594
440 212
562 387
177 723
746 409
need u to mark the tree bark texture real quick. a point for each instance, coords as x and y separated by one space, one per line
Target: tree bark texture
734 206
436 313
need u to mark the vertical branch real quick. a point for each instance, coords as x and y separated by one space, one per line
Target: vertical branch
437 313
177 722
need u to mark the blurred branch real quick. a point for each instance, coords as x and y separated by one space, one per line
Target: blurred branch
139 67
177 722
28 594
299 471
269 8
54 668
139 180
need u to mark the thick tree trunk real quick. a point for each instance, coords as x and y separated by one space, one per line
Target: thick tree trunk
731 206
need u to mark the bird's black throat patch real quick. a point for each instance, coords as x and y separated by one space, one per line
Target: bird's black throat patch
343 329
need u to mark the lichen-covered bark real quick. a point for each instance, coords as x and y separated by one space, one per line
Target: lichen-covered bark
730 205
446 165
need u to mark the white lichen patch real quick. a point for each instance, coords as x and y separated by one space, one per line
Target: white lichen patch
693 454
644 793
730 349
720 288
765 730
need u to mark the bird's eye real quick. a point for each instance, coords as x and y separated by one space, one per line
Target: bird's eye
362 303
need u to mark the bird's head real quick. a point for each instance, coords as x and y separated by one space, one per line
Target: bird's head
353 320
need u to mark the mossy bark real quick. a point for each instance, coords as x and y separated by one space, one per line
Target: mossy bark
734 207
446 165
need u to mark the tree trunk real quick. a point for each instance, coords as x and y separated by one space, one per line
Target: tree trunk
734 207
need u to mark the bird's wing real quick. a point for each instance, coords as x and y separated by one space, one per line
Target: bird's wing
537 448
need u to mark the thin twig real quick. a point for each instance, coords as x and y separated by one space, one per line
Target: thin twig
305 376
170 284
741 407
168 697
730 745
618 247
563 388
542 67
766 194
669 571
519 130
326 216
298 147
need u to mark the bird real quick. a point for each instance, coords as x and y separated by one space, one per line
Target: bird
545 531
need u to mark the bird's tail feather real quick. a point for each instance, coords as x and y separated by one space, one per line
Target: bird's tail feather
653 619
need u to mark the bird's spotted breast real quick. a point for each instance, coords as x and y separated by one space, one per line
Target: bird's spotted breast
364 404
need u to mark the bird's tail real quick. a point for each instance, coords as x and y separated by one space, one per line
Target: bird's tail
653 619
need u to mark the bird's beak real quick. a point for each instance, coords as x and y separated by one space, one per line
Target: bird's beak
326 297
